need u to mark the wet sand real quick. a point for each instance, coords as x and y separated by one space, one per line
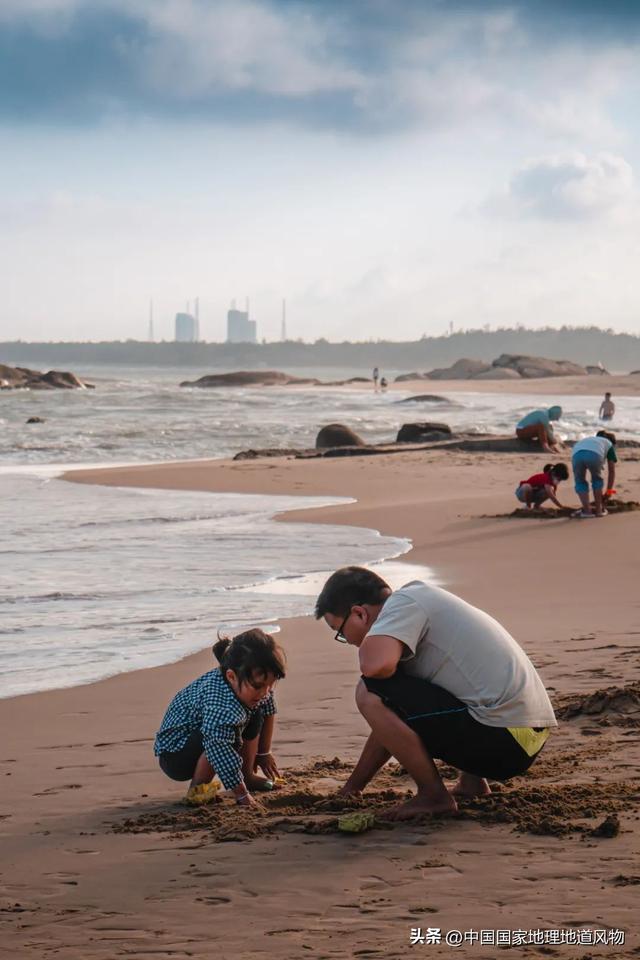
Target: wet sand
100 860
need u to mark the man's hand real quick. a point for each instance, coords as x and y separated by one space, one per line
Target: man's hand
347 791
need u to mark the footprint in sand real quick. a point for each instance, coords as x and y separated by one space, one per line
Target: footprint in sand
51 791
64 877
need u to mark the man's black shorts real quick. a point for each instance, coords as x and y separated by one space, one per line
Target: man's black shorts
448 730
181 764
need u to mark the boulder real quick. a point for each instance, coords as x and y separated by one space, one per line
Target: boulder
22 378
403 377
342 383
463 369
269 452
498 373
62 379
337 435
425 432
248 378
424 398
534 367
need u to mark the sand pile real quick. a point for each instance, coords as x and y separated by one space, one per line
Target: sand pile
302 807
618 706
556 513
555 810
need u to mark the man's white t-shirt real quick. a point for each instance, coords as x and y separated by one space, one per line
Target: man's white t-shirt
467 652
599 445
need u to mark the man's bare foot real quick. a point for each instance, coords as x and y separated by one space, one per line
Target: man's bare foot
420 805
469 786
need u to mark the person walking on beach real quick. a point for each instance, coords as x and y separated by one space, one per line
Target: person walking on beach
607 408
542 486
590 456
537 426
376 377
440 679
223 722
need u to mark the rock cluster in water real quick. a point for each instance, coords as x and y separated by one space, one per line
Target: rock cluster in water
21 378
264 378
508 366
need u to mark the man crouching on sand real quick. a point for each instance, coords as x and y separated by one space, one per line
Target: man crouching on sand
440 679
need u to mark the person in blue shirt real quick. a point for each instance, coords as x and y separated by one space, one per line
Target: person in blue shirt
589 457
223 723
537 426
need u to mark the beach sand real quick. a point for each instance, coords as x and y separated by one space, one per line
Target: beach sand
99 860
619 385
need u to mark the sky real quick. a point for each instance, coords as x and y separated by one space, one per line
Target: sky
390 167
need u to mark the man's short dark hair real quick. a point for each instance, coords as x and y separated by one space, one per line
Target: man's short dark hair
611 437
347 587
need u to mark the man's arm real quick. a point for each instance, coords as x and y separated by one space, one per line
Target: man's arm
611 474
379 656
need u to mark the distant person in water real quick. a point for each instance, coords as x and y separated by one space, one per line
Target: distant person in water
376 377
589 456
223 722
542 486
537 426
440 679
607 408
383 384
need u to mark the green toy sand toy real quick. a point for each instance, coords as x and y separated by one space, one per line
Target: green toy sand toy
356 822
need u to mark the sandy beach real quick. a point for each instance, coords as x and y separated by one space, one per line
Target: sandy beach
101 861
621 385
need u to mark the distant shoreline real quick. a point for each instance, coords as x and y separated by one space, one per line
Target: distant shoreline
583 345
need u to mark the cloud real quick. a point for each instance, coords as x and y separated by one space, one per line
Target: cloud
363 66
569 188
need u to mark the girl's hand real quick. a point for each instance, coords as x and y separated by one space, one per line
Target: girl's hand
268 765
247 800
243 797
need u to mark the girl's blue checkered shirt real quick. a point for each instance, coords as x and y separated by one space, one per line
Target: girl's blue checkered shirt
209 705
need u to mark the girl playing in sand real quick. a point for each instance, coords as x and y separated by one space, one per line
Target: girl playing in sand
542 486
223 722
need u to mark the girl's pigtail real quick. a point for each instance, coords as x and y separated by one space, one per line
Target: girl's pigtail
220 647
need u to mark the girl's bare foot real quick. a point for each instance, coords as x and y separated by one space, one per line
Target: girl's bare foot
422 804
468 785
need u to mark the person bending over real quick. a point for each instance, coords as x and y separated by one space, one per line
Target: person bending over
537 426
441 679
223 722
589 457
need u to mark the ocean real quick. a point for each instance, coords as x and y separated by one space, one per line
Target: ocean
96 581
141 415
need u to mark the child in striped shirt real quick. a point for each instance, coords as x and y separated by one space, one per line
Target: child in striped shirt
222 723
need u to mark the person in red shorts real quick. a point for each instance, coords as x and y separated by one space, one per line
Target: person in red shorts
542 486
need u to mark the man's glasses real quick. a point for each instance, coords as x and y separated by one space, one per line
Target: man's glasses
339 636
